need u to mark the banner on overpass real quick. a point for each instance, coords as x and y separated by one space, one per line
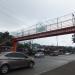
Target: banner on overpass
40 28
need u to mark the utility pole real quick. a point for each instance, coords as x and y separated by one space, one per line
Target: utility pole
57 36
57 40
73 21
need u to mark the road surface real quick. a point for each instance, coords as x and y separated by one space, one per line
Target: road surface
44 64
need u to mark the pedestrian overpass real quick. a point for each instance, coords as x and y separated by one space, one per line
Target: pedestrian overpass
58 26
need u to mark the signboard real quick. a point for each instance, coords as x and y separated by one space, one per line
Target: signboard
40 28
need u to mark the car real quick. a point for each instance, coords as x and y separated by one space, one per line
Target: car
67 53
53 54
14 60
39 54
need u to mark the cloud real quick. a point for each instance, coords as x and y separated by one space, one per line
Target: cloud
15 13
20 14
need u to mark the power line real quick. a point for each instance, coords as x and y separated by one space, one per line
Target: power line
7 12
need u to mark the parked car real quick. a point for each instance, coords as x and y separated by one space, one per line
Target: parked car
10 60
39 54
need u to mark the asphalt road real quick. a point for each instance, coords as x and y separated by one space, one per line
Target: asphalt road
44 64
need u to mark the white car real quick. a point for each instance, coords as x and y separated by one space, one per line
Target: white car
67 53
39 54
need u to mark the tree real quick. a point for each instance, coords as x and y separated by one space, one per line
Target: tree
25 46
5 39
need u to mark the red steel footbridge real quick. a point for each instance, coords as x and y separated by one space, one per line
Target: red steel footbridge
58 26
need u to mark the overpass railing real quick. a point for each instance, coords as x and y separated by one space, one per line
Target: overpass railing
49 25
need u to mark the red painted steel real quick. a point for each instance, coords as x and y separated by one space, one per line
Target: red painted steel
14 45
62 31
59 26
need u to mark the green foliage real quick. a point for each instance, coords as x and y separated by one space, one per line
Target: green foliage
25 45
5 38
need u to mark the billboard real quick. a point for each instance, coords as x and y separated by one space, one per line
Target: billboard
40 28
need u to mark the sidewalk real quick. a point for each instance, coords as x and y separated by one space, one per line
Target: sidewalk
68 69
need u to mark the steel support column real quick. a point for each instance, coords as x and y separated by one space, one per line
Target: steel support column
14 45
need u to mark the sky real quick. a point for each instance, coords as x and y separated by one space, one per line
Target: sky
20 14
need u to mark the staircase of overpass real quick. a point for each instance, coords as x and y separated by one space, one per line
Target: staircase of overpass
58 26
